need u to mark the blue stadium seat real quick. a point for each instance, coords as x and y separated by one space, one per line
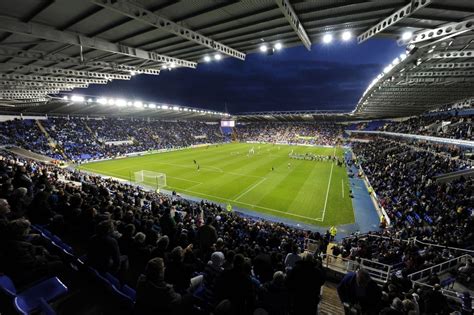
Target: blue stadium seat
112 280
31 298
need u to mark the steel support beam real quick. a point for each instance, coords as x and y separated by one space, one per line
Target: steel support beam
453 54
445 30
42 84
137 12
65 72
443 74
395 17
72 61
295 23
71 80
447 65
11 25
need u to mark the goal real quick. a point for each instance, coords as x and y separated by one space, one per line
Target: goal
151 178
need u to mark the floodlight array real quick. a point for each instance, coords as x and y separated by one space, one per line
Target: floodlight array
137 104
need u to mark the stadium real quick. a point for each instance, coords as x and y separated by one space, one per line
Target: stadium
236 157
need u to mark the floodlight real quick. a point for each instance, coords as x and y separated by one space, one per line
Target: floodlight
207 58
89 100
138 104
132 73
278 46
217 57
129 103
172 65
152 106
327 38
102 101
387 69
263 48
111 101
121 103
407 35
346 36
175 107
403 56
77 98
65 98
165 106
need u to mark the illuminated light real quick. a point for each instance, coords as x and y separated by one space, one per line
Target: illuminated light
172 65
77 98
263 48
207 59
387 69
217 57
346 35
129 103
407 35
396 61
327 38
102 101
165 106
89 100
65 98
194 110
132 73
138 104
120 102
185 109
175 107
111 101
153 106
278 46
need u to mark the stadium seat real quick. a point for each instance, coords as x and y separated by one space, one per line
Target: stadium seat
31 299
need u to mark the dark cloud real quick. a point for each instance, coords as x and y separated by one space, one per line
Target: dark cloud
325 78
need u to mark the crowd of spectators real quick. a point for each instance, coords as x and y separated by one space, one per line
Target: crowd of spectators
78 139
445 125
416 203
183 251
291 132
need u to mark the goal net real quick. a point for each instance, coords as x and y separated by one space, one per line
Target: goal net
151 178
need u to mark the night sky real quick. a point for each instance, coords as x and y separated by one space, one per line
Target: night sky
329 77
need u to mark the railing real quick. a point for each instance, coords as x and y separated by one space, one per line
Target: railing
450 294
445 266
378 271
413 240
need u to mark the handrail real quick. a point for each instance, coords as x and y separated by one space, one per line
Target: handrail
422 274
378 271
449 293
468 251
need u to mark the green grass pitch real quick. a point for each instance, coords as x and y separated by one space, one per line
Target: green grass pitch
307 191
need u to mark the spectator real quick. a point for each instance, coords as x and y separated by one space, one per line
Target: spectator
304 284
103 252
154 295
359 293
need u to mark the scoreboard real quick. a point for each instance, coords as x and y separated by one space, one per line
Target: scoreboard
228 123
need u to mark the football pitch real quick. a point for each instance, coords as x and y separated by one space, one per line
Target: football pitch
313 192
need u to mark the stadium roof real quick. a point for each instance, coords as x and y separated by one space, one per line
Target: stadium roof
48 47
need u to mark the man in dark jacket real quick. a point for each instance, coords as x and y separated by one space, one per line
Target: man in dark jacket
104 252
359 291
154 295
207 236
304 283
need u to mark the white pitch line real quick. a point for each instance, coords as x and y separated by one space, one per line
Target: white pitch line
342 185
329 185
250 188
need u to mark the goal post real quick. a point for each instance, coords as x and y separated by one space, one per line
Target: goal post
150 178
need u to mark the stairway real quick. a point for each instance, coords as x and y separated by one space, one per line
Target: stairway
51 142
330 303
